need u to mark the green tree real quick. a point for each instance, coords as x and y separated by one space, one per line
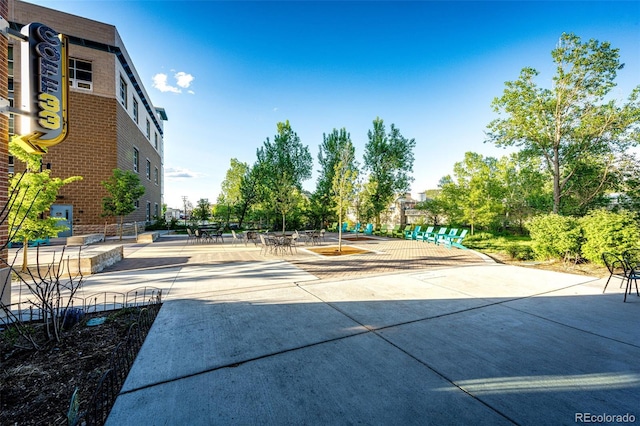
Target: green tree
345 176
434 209
32 194
572 125
628 184
231 193
475 190
389 159
124 190
283 165
525 192
329 154
202 211
251 191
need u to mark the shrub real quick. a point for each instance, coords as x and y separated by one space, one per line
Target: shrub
520 251
555 237
606 231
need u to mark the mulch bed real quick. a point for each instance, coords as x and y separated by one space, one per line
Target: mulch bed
333 250
37 385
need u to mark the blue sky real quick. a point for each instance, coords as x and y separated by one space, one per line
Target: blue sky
227 72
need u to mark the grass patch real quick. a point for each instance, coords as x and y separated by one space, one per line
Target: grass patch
516 247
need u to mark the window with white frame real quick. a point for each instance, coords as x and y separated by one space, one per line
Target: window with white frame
80 74
135 110
136 160
123 91
148 213
155 141
148 129
156 210
156 175
148 170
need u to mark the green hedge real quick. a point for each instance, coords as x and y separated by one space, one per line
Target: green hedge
563 237
555 237
606 231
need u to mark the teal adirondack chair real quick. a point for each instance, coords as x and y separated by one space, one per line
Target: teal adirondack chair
451 234
433 237
456 241
422 236
345 226
356 228
412 235
368 230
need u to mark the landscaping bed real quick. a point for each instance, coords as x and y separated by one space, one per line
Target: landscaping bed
37 385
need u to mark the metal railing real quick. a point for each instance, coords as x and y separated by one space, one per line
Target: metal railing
122 358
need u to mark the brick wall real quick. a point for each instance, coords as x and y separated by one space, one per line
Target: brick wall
89 151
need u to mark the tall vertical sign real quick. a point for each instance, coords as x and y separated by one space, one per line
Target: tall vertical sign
45 87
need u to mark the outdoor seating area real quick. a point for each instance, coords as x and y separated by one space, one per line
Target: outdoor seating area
279 244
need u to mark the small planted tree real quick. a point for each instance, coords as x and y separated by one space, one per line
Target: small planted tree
34 192
124 189
343 185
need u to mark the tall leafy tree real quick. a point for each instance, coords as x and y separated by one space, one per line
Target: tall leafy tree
230 193
202 211
345 175
250 192
389 159
629 183
329 154
283 165
574 125
124 190
524 188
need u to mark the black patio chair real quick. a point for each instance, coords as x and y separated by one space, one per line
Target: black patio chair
615 265
631 274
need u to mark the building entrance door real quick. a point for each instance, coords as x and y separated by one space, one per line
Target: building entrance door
64 212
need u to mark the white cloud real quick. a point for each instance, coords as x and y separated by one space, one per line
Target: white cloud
177 173
183 80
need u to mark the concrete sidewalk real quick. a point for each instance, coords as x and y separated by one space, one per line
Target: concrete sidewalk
268 343
420 335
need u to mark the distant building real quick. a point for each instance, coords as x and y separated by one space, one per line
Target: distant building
112 122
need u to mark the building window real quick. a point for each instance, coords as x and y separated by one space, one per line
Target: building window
137 204
148 129
11 165
155 141
148 211
136 160
80 74
156 212
123 92
155 175
135 110
148 169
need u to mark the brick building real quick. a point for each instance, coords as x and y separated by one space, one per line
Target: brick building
112 122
